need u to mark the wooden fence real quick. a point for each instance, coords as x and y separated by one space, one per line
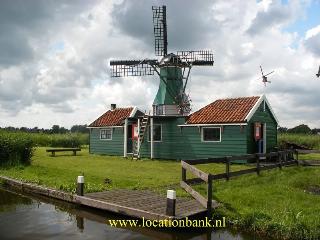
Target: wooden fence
261 162
307 162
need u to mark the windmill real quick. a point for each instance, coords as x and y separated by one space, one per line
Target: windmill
264 77
318 74
173 69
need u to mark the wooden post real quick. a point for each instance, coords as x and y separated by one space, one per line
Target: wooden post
297 156
171 203
209 196
151 140
258 164
183 174
125 136
285 156
280 161
227 168
138 143
80 185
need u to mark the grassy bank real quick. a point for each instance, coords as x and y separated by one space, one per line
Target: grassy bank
309 140
277 203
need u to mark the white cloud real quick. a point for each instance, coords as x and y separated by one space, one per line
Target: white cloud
312 32
63 77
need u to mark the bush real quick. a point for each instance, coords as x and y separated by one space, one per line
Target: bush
15 148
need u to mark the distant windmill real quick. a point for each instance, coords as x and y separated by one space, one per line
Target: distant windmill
173 69
264 77
318 74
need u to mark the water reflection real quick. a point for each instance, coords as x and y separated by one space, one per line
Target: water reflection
30 217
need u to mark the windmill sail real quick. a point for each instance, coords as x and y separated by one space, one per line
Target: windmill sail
160 30
197 58
124 68
173 69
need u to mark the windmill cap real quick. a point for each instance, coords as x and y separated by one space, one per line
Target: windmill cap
170 59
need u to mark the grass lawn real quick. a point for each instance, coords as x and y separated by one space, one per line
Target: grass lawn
310 156
278 203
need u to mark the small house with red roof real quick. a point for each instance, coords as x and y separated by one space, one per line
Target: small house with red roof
107 134
225 127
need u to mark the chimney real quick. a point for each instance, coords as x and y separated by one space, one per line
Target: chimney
113 106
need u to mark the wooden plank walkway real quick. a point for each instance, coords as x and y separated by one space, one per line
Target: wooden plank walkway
146 203
132 203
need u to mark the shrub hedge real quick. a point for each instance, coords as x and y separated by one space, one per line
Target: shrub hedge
15 148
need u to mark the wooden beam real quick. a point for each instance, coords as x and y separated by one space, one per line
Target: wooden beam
243 157
241 172
269 166
194 181
202 200
195 171
220 176
205 160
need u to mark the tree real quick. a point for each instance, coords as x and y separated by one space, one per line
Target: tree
316 131
55 129
79 129
302 128
282 129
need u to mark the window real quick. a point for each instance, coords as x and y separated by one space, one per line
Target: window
158 110
106 134
212 134
157 133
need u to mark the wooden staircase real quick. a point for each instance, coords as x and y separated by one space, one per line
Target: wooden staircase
142 130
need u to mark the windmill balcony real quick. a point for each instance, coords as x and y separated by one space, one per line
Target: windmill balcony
166 110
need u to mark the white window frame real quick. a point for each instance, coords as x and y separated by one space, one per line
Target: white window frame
106 139
149 127
202 135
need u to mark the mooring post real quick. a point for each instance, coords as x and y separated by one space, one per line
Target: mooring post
171 203
80 185
80 223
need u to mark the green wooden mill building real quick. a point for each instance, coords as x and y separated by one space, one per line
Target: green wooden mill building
225 127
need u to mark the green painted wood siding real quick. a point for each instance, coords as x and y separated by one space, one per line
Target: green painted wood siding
185 142
109 147
263 117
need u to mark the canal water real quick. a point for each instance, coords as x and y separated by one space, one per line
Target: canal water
33 217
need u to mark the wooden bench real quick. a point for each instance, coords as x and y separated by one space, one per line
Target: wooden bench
54 150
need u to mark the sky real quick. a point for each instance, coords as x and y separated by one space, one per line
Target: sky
54 56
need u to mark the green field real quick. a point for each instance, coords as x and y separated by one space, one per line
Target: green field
278 203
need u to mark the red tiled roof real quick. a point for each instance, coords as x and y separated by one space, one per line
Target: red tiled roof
112 117
233 110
